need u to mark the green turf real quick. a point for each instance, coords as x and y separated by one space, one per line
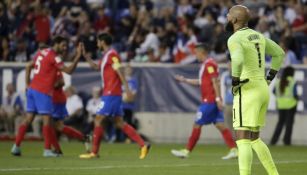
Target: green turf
122 159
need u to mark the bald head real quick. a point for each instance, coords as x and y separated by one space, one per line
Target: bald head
238 17
241 13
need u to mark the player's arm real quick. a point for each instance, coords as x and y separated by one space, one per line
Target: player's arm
277 54
59 83
181 78
29 67
236 54
69 69
118 68
216 87
90 61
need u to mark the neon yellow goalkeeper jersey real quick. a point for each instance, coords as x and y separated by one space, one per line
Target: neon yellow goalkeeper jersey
247 49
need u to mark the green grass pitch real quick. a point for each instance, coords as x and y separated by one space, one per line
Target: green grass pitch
122 159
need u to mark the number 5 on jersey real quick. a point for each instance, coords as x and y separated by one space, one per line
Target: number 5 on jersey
38 64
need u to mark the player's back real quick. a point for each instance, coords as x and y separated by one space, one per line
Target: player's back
252 47
209 70
111 80
46 65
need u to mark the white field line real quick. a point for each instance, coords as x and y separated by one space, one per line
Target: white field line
134 166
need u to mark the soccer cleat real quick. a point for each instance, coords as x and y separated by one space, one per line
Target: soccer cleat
88 156
183 153
50 153
87 143
58 152
16 150
233 153
144 151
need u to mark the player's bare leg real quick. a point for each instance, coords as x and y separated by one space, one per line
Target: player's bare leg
227 136
133 135
98 133
184 153
16 151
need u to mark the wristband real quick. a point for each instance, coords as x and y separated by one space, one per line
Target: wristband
271 75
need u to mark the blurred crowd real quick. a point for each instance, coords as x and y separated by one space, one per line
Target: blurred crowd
147 30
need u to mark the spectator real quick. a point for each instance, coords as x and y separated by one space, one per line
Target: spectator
42 24
4 21
88 37
228 99
21 54
11 108
102 22
290 57
74 107
4 49
91 108
151 42
129 103
184 52
164 53
286 96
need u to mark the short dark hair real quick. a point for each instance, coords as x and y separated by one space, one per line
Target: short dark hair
203 46
58 39
107 38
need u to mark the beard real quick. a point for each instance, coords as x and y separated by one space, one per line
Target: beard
229 27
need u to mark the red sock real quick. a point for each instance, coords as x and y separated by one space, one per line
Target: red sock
193 138
228 138
47 136
71 132
54 140
133 135
98 133
21 134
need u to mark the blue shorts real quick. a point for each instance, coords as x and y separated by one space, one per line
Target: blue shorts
59 111
38 103
209 113
110 106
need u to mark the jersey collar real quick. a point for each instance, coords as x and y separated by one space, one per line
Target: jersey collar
244 28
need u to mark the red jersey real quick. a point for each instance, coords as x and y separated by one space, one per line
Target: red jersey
59 96
47 63
208 71
111 82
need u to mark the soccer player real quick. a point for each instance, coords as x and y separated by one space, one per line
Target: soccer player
210 111
46 63
250 87
60 112
111 100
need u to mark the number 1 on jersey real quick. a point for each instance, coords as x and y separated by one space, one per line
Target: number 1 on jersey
259 54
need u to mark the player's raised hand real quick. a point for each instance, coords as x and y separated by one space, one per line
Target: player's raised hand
79 50
179 78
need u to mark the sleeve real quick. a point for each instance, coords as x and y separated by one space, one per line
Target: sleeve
237 57
57 61
115 61
212 71
276 52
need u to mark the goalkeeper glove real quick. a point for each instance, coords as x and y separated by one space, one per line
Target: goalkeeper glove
236 84
270 76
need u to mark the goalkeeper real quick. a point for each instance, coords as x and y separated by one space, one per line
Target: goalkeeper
250 87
